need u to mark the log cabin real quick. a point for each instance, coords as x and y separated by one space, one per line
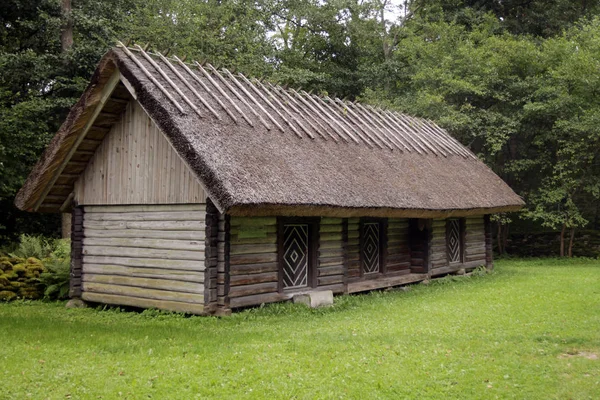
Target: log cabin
200 191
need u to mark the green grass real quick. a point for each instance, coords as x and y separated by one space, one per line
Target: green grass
528 331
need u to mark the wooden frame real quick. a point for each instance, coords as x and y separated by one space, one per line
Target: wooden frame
313 247
382 246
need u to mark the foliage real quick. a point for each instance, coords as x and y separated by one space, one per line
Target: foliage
500 335
37 267
56 278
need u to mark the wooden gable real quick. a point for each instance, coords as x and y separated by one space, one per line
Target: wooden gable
136 164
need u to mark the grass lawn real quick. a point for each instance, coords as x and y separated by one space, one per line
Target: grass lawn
530 330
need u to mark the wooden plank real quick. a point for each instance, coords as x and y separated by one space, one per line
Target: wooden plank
143 303
330 280
160 273
145 233
372 284
147 216
245 269
252 248
143 253
143 243
185 265
325 253
255 300
148 283
90 209
334 270
267 229
329 236
151 225
270 238
145 293
239 259
247 290
331 221
330 228
252 221
239 280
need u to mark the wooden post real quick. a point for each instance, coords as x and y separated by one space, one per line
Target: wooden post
211 257
76 252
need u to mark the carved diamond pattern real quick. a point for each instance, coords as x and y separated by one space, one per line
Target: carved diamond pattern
370 254
454 240
295 256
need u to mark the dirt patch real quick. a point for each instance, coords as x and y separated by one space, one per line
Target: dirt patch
584 354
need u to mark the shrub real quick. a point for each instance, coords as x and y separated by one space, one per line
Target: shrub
33 246
55 279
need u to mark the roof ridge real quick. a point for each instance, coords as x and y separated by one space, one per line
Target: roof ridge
306 114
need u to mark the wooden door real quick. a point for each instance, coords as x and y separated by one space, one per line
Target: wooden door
296 256
371 247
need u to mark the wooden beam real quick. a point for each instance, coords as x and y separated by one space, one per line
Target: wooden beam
109 87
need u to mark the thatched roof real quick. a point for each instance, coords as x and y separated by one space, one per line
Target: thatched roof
260 149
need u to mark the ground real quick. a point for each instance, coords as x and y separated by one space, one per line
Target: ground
529 330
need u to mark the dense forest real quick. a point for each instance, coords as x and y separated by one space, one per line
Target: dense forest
517 81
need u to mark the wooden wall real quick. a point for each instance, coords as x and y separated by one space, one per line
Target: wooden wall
136 164
398 251
439 256
330 269
253 264
353 249
145 256
475 250
76 252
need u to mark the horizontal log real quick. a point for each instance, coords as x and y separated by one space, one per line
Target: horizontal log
398 266
118 300
252 248
151 225
144 243
337 288
143 253
149 234
395 258
328 253
334 270
148 216
244 269
239 280
328 262
330 236
185 265
148 283
255 300
384 282
331 245
132 291
270 238
474 258
247 290
145 208
252 221
353 221
239 259
178 275
353 235
329 280
330 228
235 230
331 221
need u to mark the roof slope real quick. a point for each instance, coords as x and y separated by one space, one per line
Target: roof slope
260 148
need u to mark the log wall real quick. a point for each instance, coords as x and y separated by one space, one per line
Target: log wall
398 258
489 245
439 253
353 249
145 256
136 164
253 264
76 252
475 246
330 268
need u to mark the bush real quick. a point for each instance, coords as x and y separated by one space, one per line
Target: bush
37 267
55 279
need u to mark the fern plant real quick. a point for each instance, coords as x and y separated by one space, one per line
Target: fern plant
56 279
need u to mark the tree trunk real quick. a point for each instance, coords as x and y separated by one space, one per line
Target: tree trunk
562 240
66 34
571 239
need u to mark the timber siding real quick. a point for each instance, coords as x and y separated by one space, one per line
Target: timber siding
330 265
145 256
136 164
